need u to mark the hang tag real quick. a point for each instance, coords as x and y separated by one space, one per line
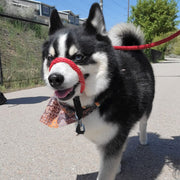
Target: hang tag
80 128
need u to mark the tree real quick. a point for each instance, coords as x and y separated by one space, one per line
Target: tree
155 17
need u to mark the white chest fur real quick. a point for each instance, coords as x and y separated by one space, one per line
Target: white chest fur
97 130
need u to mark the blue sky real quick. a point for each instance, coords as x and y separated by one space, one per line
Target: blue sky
115 11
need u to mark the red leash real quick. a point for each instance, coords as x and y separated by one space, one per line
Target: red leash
145 46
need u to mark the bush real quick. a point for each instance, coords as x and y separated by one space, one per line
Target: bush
176 47
165 48
1 9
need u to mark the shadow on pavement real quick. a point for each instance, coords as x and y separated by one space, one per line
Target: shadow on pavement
28 100
146 162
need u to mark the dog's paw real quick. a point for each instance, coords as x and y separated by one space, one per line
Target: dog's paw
143 140
119 169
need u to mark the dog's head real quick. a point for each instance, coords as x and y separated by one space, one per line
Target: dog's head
88 46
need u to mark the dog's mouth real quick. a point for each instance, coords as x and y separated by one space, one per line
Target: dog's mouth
66 94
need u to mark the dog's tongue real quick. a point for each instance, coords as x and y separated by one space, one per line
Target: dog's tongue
63 93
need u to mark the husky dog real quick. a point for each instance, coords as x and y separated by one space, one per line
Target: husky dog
122 82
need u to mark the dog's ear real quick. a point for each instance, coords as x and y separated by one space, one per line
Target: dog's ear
95 21
55 22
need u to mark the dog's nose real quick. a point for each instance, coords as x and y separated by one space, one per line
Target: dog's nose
56 80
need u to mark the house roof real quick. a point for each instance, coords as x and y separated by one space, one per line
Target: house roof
37 2
70 12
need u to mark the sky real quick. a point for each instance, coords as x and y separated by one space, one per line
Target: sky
115 11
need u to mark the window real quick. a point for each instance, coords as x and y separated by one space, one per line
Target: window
45 10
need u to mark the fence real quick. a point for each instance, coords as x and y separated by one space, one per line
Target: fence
20 52
1 73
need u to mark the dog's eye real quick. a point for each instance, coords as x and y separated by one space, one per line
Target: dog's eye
50 57
78 57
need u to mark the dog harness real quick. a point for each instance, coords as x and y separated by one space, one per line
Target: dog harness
58 114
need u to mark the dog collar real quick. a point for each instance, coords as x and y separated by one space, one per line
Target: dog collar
60 114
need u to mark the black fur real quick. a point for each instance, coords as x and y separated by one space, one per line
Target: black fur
55 22
88 26
132 82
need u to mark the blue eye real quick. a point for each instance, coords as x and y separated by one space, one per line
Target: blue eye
78 57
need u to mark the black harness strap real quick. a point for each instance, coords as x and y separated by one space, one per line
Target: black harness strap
80 129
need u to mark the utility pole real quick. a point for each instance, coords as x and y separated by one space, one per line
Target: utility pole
128 9
101 5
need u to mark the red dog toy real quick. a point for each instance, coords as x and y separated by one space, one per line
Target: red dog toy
73 66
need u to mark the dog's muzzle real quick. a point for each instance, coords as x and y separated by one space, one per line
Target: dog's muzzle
56 80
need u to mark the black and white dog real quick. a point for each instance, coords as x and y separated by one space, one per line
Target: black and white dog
122 82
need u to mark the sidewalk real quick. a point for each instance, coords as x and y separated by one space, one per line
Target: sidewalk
29 150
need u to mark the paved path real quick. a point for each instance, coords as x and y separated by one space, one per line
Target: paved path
31 151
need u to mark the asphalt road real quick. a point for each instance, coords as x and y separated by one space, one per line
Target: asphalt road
29 150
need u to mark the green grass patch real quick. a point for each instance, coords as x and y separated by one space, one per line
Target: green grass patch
20 48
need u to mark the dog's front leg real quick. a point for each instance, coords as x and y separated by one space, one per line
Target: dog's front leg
109 168
110 165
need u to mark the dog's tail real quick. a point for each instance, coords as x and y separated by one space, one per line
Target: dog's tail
126 34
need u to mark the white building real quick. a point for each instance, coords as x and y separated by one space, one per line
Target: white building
37 11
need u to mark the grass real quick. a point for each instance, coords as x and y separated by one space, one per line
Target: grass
22 85
20 49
